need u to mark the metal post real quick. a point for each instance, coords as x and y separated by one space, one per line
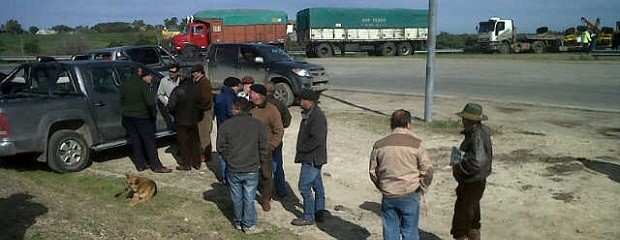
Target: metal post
430 61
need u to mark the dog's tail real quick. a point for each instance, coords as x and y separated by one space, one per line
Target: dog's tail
155 192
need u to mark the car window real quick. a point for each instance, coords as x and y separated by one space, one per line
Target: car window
17 82
166 57
51 79
227 55
143 55
103 79
247 54
102 56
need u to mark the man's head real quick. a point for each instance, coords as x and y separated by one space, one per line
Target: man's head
240 105
258 93
308 98
197 71
173 70
232 83
247 81
401 118
147 76
471 113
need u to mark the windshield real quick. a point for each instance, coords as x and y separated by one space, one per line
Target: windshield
486 27
274 54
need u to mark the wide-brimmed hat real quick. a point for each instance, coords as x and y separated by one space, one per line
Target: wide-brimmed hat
472 111
197 68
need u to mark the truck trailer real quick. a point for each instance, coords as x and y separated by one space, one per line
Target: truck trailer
231 26
381 32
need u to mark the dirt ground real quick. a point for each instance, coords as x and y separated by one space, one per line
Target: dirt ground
556 171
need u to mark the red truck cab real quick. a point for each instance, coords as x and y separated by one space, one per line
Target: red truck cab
197 36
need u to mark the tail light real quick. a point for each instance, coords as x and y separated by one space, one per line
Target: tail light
4 126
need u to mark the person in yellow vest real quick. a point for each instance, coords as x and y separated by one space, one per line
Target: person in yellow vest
585 40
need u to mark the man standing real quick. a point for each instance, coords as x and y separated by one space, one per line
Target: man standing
204 126
269 115
166 85
223 111
138 106
279 181
187 106
242 141
312 154
246 83
401 169
471 172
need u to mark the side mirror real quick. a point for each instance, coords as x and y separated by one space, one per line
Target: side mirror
259 60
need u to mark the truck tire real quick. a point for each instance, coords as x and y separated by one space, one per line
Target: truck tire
282 91
539 47
311 52
504 48
67 151
189 51
324 50
388 49
404 49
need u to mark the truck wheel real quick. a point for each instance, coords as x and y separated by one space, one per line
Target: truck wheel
388 49
404 49
67 151
311 52
324 50
504 48
539 47
189 51
283 92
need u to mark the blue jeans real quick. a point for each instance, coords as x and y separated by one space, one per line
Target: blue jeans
242 187
400 217
278 173
310 179
224 170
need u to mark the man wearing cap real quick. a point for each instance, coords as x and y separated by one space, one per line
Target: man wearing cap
269 115
471 172
204 126
400 167
166 85
246 83
311 152
223 111
279 181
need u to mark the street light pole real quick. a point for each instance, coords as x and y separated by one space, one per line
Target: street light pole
430 61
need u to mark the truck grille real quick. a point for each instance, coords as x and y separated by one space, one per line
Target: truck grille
319 75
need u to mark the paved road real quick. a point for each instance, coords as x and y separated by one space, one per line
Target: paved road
586 84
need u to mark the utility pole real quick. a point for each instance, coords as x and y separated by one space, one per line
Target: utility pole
430 61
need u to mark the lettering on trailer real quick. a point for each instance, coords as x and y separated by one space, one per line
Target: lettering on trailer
374 22
217 28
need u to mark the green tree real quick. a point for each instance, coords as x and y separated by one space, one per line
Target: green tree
138 25
33 29
32 47
172 23
62 28
13 27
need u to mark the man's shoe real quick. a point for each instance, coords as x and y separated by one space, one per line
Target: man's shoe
474 234
141 169
183 168
252 230
266 205
197 166
162 170
302 222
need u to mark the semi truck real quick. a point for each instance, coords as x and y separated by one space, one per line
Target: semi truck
230 26
500 35
381 32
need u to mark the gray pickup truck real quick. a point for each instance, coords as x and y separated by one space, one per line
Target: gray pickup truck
64 110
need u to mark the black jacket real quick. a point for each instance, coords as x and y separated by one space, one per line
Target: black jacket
478 155
186 104
312 138
242 141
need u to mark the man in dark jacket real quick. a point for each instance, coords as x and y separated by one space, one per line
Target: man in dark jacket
187 106
223 111
138 104
205 125
471 171
279 181
242 141
312 154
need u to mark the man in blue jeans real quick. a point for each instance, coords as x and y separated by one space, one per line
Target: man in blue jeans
242 141
312 154
401 169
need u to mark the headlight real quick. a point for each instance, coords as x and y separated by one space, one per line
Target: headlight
301 72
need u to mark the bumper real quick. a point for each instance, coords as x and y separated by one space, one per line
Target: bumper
7 149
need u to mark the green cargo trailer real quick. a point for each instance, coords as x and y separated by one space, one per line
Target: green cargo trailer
383 32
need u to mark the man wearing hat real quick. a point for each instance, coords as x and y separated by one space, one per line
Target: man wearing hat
204 126
166 85
223 111
312 154
246 83
471 172
269 115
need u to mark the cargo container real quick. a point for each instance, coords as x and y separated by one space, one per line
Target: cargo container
382 32
231 26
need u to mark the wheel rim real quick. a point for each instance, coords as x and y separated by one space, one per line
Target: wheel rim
280 94
405 50
70 152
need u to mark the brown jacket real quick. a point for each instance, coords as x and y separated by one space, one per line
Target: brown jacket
399 164
269 115
205 86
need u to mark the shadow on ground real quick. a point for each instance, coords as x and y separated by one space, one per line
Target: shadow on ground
19 212
375 208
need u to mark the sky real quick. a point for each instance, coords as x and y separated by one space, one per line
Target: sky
453 16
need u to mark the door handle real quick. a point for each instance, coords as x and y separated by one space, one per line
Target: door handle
99 104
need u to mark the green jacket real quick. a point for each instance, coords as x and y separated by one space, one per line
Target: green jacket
136 98
585 37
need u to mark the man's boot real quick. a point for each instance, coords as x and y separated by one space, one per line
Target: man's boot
208 150
474 234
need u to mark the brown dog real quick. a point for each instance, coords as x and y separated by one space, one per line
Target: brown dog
139 189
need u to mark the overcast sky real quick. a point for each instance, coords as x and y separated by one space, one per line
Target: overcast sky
453 16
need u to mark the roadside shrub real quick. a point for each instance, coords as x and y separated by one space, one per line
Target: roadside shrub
73 45
32 47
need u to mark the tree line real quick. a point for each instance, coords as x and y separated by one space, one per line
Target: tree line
13 27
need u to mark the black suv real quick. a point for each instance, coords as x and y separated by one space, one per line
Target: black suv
153 56
265 63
